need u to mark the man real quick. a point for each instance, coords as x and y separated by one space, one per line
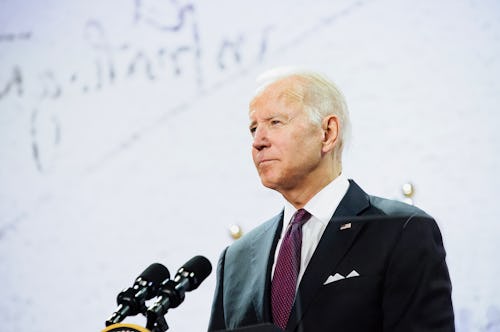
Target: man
335 258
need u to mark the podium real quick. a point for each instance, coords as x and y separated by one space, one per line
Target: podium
265 327
123 327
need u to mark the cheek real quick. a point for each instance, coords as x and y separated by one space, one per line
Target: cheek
308 147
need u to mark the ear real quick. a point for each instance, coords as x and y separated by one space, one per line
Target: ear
331 130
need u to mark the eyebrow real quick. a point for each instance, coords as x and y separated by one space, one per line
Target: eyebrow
272 116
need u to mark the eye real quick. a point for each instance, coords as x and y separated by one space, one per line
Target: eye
252 130
275 122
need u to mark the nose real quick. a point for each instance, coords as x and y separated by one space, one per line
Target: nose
260 139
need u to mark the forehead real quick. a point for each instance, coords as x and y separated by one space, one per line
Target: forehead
289 93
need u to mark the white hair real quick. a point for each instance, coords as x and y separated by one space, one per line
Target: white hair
321 98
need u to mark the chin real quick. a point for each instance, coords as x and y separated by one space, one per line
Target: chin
271 180
267 183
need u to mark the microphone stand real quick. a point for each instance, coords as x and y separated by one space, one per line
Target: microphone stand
171 294
158 325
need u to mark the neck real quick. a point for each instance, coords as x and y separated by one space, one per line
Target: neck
299 196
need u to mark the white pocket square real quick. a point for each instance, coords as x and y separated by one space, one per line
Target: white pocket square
335 277
353 273
338 276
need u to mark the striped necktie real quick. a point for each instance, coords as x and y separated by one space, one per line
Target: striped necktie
287 268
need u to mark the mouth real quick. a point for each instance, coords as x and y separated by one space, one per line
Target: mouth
265 161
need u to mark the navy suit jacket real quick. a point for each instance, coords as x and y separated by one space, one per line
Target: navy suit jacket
397 250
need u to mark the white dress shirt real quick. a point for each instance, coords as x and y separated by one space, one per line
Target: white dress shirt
321 207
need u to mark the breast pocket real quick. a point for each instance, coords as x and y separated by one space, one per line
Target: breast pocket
355 292
354 302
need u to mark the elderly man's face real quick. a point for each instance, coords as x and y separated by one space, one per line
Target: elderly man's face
287 147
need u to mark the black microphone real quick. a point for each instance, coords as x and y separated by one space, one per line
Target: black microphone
131 300
172 292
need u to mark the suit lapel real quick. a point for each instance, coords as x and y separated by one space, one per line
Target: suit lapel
263 247
355 201
334 244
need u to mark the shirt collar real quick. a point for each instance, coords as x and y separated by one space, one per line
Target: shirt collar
322 205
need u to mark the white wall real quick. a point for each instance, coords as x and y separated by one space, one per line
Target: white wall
124 140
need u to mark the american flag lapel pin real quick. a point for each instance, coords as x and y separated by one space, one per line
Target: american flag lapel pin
345 226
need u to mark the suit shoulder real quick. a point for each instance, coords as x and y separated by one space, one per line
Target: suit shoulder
409 218
243 243
395 208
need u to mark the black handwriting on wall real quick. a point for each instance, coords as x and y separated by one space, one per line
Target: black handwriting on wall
175 51
114 60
